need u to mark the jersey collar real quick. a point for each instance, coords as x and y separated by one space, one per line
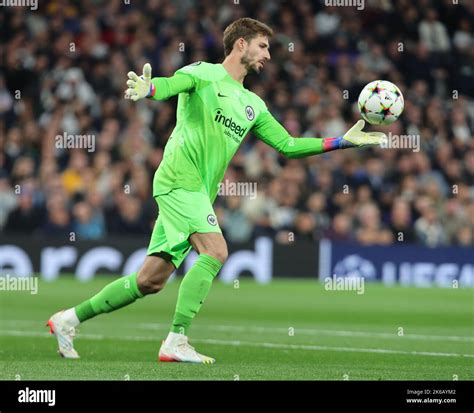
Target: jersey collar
230 77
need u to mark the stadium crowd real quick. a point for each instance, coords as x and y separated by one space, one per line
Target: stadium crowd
63 69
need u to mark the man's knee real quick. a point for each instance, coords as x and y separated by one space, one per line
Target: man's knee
220 253
212 244
148 284
151 279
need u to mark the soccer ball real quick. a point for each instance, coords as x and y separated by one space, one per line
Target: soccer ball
381 102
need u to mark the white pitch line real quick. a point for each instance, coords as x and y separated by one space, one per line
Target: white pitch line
329 348
19 333
315 332
283 330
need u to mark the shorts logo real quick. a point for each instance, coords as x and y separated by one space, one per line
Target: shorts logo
212 219
249 112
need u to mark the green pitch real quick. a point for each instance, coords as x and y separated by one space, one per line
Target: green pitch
286 330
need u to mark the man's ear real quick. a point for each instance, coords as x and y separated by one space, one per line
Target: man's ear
240 43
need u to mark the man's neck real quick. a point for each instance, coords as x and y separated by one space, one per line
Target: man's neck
236 71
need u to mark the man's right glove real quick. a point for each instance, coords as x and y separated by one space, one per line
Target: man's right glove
140 87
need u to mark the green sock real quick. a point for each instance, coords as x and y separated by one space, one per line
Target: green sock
113 296
193 291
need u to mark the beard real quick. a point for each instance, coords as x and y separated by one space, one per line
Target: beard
246 61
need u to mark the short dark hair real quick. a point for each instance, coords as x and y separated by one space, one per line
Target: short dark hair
244 27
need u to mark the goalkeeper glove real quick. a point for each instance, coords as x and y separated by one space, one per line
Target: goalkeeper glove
355 137
140 87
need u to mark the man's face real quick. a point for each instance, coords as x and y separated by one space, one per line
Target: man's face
255 54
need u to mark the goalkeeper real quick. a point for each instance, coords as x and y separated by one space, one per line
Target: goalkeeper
215 112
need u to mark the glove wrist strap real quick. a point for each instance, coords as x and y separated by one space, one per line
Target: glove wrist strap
331 144
152 90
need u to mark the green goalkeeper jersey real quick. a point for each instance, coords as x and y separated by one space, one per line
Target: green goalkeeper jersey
215 113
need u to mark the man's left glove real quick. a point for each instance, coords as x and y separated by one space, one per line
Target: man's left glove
355 137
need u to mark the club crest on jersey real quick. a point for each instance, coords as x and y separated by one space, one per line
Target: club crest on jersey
211 219
249 112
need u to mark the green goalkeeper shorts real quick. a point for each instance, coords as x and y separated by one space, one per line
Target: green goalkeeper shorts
181 213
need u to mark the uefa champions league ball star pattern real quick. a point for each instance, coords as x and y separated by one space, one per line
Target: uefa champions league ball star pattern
381 102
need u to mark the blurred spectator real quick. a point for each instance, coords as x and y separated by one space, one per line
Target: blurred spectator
429 229
6 99
371 230
305 227
234 222
341 229
433 33
401 222
126 217
8 199
464 236
58 222
87 224
73 176
25 218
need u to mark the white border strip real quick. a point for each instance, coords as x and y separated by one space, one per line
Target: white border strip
325 257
